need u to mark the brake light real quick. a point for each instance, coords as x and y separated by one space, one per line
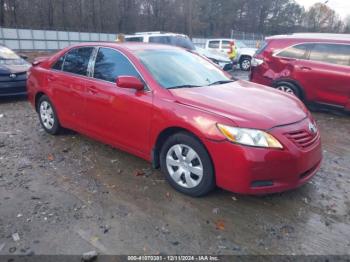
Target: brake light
256 62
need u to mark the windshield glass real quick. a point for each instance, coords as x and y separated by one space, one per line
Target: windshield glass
8 57
179 68
7 54
240 44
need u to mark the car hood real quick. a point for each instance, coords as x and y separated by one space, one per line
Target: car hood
13 69
247 51
213 55
246 104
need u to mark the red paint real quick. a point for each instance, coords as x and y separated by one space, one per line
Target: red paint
320 82
132 120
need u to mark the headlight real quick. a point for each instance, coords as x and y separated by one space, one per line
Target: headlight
249 137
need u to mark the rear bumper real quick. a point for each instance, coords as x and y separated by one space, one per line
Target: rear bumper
256 76
13 88
250 170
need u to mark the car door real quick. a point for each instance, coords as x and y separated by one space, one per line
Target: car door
67 82
327 73
117 115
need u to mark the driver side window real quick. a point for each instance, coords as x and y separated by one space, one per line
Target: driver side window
111 64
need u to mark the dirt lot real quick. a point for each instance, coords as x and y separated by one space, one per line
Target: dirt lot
69 195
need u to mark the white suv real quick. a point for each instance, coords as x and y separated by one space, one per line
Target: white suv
182 41
244 53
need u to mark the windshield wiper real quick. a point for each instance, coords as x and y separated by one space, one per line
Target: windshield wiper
221 82
182 86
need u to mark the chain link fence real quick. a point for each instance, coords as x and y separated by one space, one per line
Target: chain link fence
50 40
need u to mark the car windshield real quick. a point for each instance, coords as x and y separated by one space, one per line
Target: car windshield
7 54
8 57
179 68
240 44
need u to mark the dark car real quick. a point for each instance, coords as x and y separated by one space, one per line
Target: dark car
13 73
314 67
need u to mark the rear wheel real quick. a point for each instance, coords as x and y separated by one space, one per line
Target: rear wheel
187 166
288 88
48 117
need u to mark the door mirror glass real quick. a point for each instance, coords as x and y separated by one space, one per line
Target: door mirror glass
130 82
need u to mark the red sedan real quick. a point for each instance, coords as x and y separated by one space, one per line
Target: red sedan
180 112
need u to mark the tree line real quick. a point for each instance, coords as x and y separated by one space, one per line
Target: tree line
204 18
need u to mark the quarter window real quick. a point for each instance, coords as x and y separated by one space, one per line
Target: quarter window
297 51
331 53
77 60
58 64
111 64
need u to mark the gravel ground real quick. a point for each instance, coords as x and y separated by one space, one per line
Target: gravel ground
69 195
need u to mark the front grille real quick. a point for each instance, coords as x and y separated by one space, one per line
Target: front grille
19 77
302 138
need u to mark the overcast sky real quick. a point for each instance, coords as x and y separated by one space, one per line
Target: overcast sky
342 7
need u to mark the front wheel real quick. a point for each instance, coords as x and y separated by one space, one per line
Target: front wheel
245 63
187 165
48 117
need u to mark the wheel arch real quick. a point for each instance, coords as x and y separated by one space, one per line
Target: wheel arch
164 135
290 81
37 97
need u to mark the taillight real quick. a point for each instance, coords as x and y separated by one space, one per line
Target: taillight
256 61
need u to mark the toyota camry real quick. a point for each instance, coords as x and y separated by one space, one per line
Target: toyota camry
180 112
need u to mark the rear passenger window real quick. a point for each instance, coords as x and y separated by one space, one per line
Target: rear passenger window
111 64
77 60
214 44
331 53
297 51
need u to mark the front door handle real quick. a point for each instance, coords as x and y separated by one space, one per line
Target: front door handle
305 68
51 78
92 89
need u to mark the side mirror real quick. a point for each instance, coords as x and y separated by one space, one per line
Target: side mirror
23 57
130 82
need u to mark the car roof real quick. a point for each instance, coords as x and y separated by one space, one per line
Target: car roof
129 46
142 34
313 36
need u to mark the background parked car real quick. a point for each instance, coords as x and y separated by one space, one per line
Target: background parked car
179 40
244 53
218 58
13 73
314 67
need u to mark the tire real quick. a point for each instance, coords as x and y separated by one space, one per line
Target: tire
289 88
195 158
245 63
48 116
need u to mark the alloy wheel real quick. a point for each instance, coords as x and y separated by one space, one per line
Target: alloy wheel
47 115
245 65
286 89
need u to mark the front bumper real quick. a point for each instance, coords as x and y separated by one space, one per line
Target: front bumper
250 170
13 87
